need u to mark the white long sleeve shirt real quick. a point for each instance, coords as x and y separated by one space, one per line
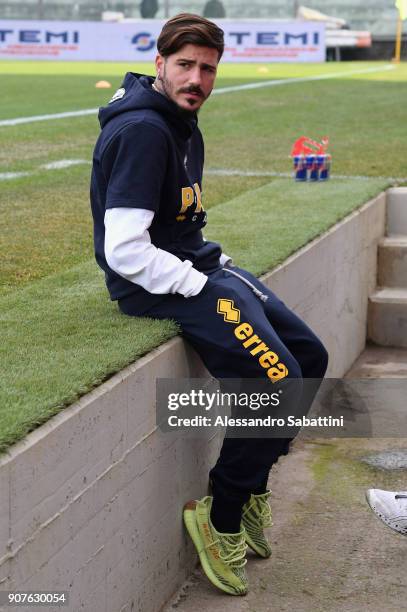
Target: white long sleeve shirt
130 253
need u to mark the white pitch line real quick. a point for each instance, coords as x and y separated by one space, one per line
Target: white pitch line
221 90
56 165
7 176
227 172
68 163
19 120
259 173
320 77
64 163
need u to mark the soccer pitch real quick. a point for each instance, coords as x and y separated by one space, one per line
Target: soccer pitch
61 334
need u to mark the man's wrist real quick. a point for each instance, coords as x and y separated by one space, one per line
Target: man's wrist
225 260
196 287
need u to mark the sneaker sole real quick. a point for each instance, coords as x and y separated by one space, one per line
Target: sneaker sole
193 530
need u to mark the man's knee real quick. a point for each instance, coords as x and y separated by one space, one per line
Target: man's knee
321 358
294 368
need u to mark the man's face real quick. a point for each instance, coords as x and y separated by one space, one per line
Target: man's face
188 76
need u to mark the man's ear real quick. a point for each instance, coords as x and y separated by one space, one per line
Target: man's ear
159 62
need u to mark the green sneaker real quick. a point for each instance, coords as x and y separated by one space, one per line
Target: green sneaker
256 516
222 555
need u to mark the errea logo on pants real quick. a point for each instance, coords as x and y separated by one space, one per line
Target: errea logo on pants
227 308
268 359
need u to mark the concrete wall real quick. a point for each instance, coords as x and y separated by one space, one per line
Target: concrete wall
91 501
328 283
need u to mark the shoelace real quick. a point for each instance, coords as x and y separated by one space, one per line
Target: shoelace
265 515
264 511
236 556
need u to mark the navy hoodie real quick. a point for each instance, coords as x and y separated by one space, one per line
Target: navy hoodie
150 156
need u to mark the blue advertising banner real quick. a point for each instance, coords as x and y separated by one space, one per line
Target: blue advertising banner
245 41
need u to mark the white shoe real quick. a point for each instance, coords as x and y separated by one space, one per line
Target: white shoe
390 507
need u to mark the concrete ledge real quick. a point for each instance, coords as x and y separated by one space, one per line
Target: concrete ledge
87 496
91 501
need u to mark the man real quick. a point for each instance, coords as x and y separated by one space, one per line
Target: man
390 507
148 216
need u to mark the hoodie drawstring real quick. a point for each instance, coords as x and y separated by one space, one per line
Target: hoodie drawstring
256 291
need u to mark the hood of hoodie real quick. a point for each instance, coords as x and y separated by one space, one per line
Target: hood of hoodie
136 93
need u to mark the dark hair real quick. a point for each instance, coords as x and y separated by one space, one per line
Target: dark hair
187 28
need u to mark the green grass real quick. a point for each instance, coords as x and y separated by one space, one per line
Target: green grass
60 338
275 220
49 218
62 335
52 207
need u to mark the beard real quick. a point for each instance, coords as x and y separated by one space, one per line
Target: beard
166 87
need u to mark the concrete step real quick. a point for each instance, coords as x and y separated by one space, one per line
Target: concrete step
392 262
387 317
380 362
397 211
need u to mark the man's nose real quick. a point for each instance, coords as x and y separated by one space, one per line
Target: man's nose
195 76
